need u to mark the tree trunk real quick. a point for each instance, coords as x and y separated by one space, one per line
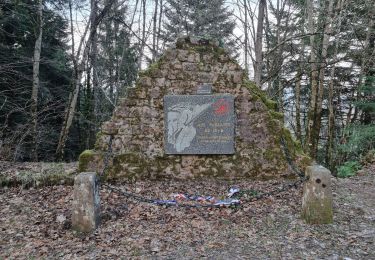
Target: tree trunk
314 82
246 38
319 102
159 23
298 93
117 84
143 39
331 94
93 61
367 65
259 44
35 88
78 70
154 33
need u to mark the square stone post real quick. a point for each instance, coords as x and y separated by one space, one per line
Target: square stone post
86 202
317 196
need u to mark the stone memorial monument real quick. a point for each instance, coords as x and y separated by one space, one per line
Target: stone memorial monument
194 113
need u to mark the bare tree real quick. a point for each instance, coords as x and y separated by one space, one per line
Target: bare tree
79 61
319 102
314 80
154 32
259 43
35 88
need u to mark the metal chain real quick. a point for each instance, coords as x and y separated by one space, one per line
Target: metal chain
169 203
289 160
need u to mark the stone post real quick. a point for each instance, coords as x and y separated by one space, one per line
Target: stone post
317 196
86 202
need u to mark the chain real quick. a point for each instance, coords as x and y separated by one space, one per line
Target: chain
168 203
289 160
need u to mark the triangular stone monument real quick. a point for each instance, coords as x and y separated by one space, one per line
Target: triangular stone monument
194 113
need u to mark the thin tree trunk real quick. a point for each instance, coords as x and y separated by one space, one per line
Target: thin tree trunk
298 93
159 24
154 32
314 82
78 70
279 87
299 84
368 53
35 88
331 94
259 43
246 33
143 39
319 102
117 84
94 66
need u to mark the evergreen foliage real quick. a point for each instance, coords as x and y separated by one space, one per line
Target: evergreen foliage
18 29
361 135
209 19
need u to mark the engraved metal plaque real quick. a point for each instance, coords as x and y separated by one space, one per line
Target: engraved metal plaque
199 124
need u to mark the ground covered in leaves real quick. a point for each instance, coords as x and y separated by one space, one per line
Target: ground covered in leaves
35 223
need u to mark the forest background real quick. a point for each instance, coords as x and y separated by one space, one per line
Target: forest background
65 63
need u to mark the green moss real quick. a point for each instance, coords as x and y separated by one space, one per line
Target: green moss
152 69
270 104
260 94
289 142
205 49
84 158
277 115
50 174
128 165
318 212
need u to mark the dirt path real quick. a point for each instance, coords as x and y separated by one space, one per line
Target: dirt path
35 224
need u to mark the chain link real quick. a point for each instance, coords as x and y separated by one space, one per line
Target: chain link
169 203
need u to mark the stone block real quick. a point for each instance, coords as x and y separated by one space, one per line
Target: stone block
189 66
194 57
183 55
86 202
109 128
145 81
317 196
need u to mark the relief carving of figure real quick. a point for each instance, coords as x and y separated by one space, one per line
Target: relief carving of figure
181 130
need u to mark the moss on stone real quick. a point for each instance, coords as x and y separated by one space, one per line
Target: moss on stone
84 158
205 49
318 212
277 115
270 104
128 165
152 69
48 175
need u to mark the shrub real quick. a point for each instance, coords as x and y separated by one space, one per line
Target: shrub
348 169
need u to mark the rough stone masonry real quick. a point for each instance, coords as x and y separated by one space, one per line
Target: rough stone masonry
138 123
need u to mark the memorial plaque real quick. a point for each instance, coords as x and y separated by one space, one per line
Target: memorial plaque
204 89
199 124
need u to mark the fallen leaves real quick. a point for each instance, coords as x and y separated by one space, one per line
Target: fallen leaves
36 223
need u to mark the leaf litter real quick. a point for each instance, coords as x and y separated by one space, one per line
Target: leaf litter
36 223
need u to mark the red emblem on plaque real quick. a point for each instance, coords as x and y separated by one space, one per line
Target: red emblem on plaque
221 107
